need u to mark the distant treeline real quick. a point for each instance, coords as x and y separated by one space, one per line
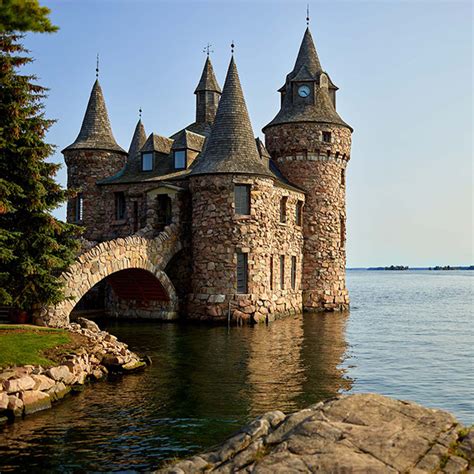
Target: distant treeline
402 267
391 267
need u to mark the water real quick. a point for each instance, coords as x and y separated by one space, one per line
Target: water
409 335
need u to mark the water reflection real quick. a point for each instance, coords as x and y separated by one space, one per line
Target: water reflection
205 382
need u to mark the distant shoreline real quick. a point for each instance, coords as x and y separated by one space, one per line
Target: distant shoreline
406 268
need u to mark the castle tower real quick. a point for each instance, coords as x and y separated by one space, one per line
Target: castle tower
207 93
93 156
138 140
236 228
311 145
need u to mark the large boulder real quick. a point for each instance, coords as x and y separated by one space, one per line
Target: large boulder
35 400
18 384
350 434
61 374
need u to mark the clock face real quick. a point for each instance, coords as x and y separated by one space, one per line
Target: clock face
303 91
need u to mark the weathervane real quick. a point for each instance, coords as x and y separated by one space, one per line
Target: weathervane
97 67
140 113
307 14
207 49
232 46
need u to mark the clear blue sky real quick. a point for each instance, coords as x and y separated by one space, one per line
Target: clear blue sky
405 75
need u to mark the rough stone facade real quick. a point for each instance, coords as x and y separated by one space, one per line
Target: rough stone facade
218 233
319 168
84 169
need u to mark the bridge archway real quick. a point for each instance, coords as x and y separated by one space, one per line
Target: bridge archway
133 254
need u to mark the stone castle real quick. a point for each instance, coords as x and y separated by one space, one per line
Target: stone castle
261 227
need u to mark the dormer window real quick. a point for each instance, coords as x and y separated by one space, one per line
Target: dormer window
147 161
180 159
327 137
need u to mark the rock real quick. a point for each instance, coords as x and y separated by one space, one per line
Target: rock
15 405
133 365
34 401
61 374
88 324
17 385
58 392
350 434
42 382
3 401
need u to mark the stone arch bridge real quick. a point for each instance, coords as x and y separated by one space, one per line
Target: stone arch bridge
144 258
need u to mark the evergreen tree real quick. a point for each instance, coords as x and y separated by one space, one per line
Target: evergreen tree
34 246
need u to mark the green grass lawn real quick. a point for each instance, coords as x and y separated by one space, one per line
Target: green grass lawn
23 344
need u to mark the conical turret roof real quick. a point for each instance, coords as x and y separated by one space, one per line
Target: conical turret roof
231 146
307 57
138 140
208 81
96 132
307 69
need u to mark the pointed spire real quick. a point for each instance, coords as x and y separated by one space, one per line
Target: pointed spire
138 139
96 132
307 56
231 147
208 81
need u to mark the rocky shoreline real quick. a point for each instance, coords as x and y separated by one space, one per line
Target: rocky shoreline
28 389
363 433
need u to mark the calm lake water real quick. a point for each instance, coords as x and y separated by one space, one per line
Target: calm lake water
408 335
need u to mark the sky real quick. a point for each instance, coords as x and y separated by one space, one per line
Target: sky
404 69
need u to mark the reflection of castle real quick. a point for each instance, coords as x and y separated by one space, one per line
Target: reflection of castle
263 226
296 362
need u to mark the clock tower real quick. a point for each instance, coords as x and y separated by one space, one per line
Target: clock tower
311 146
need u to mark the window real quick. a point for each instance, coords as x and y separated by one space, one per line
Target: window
79 207
242 277
283 202
119 206
242 199
327 137
271 272
293 273
180 159
343 177
282 272
299 213
147 161
343 232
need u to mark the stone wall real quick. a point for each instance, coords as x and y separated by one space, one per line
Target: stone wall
319 168
84 169
218 233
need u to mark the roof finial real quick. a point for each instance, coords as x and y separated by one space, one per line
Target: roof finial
140 113
232 46
207 49
97 67
307 14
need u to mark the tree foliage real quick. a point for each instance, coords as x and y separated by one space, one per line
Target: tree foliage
35 248
25 15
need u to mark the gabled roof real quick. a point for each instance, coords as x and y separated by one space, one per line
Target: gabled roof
157 143
188 140
96 133
138 140
208 81
231 146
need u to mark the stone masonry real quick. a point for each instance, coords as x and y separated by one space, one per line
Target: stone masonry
260 235
319 168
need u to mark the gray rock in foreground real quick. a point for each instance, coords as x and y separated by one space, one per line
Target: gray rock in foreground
364 433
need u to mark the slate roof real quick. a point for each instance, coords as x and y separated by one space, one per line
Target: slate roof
96 132
157 143
189 140
138 140
307 68
231 146
208 81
